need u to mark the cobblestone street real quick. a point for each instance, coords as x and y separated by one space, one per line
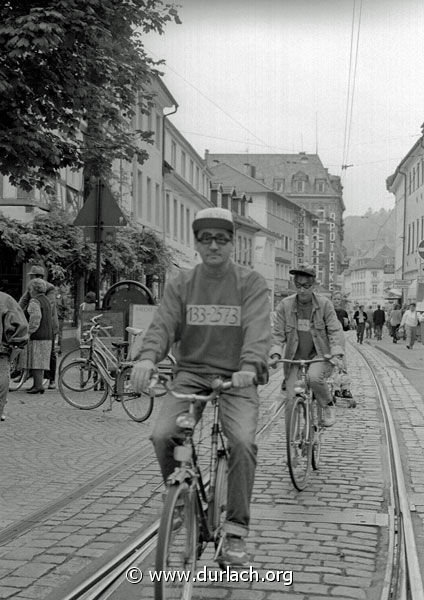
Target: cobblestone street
333 535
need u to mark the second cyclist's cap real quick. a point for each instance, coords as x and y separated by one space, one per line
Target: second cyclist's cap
304 269
219 218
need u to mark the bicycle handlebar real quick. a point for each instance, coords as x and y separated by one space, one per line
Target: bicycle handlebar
217 386
303 362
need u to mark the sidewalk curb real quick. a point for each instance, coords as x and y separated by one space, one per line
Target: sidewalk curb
394 357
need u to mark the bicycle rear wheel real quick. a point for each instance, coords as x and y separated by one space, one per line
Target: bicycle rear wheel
298 442
177 544
18 374
137 406
317 434
82 385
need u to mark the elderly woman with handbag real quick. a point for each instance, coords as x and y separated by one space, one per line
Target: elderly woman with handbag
38 313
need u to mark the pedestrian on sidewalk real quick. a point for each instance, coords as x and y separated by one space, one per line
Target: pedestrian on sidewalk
410 323
13 334
360 318
369 322
395 321
37 271
379 318
38 313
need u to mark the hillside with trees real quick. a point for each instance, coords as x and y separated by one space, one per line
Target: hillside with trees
364 234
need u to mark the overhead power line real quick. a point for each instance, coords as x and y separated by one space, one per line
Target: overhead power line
351 83
216 105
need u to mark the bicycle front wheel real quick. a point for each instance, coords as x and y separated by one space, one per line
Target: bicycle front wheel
177 544
317 434
82 386
298 442
137 406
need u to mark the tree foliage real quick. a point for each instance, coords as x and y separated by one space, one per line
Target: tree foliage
52 240
68 66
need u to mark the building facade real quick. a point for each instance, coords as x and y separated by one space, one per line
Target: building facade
407 185
286 228
303 179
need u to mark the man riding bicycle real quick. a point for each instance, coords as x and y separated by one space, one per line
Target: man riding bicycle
308 326
219 314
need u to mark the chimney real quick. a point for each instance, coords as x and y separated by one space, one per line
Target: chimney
207 157
249 170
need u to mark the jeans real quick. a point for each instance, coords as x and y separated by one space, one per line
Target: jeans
378 330
360 332
318 374
411 334
4 381
239 408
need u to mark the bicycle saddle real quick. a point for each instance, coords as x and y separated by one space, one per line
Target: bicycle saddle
120 344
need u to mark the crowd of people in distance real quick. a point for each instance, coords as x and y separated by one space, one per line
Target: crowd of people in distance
401 322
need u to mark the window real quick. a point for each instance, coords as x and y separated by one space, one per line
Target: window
224 201
139 211
374 288
279 185
418 232
183 164
158 131
300 186
191 172
320 186
204 192
175 218
409 238
167 213
157 205
413 237
188 226
250 251
149 200
197 178
182 211
173 154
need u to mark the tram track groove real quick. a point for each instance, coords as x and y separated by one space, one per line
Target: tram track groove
408 563
99 585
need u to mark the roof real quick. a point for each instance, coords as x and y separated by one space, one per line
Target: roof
225 174
274 166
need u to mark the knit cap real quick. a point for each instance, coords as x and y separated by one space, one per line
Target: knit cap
218 218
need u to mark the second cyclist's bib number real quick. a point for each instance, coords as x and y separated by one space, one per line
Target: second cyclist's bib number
213 314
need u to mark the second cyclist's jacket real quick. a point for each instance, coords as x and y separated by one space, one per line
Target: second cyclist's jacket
325 328
221 322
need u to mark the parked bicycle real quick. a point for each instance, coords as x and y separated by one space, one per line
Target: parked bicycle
193 514
86 383
18 373
304 427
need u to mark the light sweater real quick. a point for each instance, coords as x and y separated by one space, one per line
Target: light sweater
221 322
409 319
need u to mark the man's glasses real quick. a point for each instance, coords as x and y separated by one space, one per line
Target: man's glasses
306 286
221 240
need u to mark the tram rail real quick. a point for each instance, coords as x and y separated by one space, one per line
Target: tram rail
402 579
100 584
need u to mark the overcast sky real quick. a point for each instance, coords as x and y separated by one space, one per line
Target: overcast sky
257 75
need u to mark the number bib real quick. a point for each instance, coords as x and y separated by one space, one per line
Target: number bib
213 314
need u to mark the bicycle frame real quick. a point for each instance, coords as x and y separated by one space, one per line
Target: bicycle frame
185 454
